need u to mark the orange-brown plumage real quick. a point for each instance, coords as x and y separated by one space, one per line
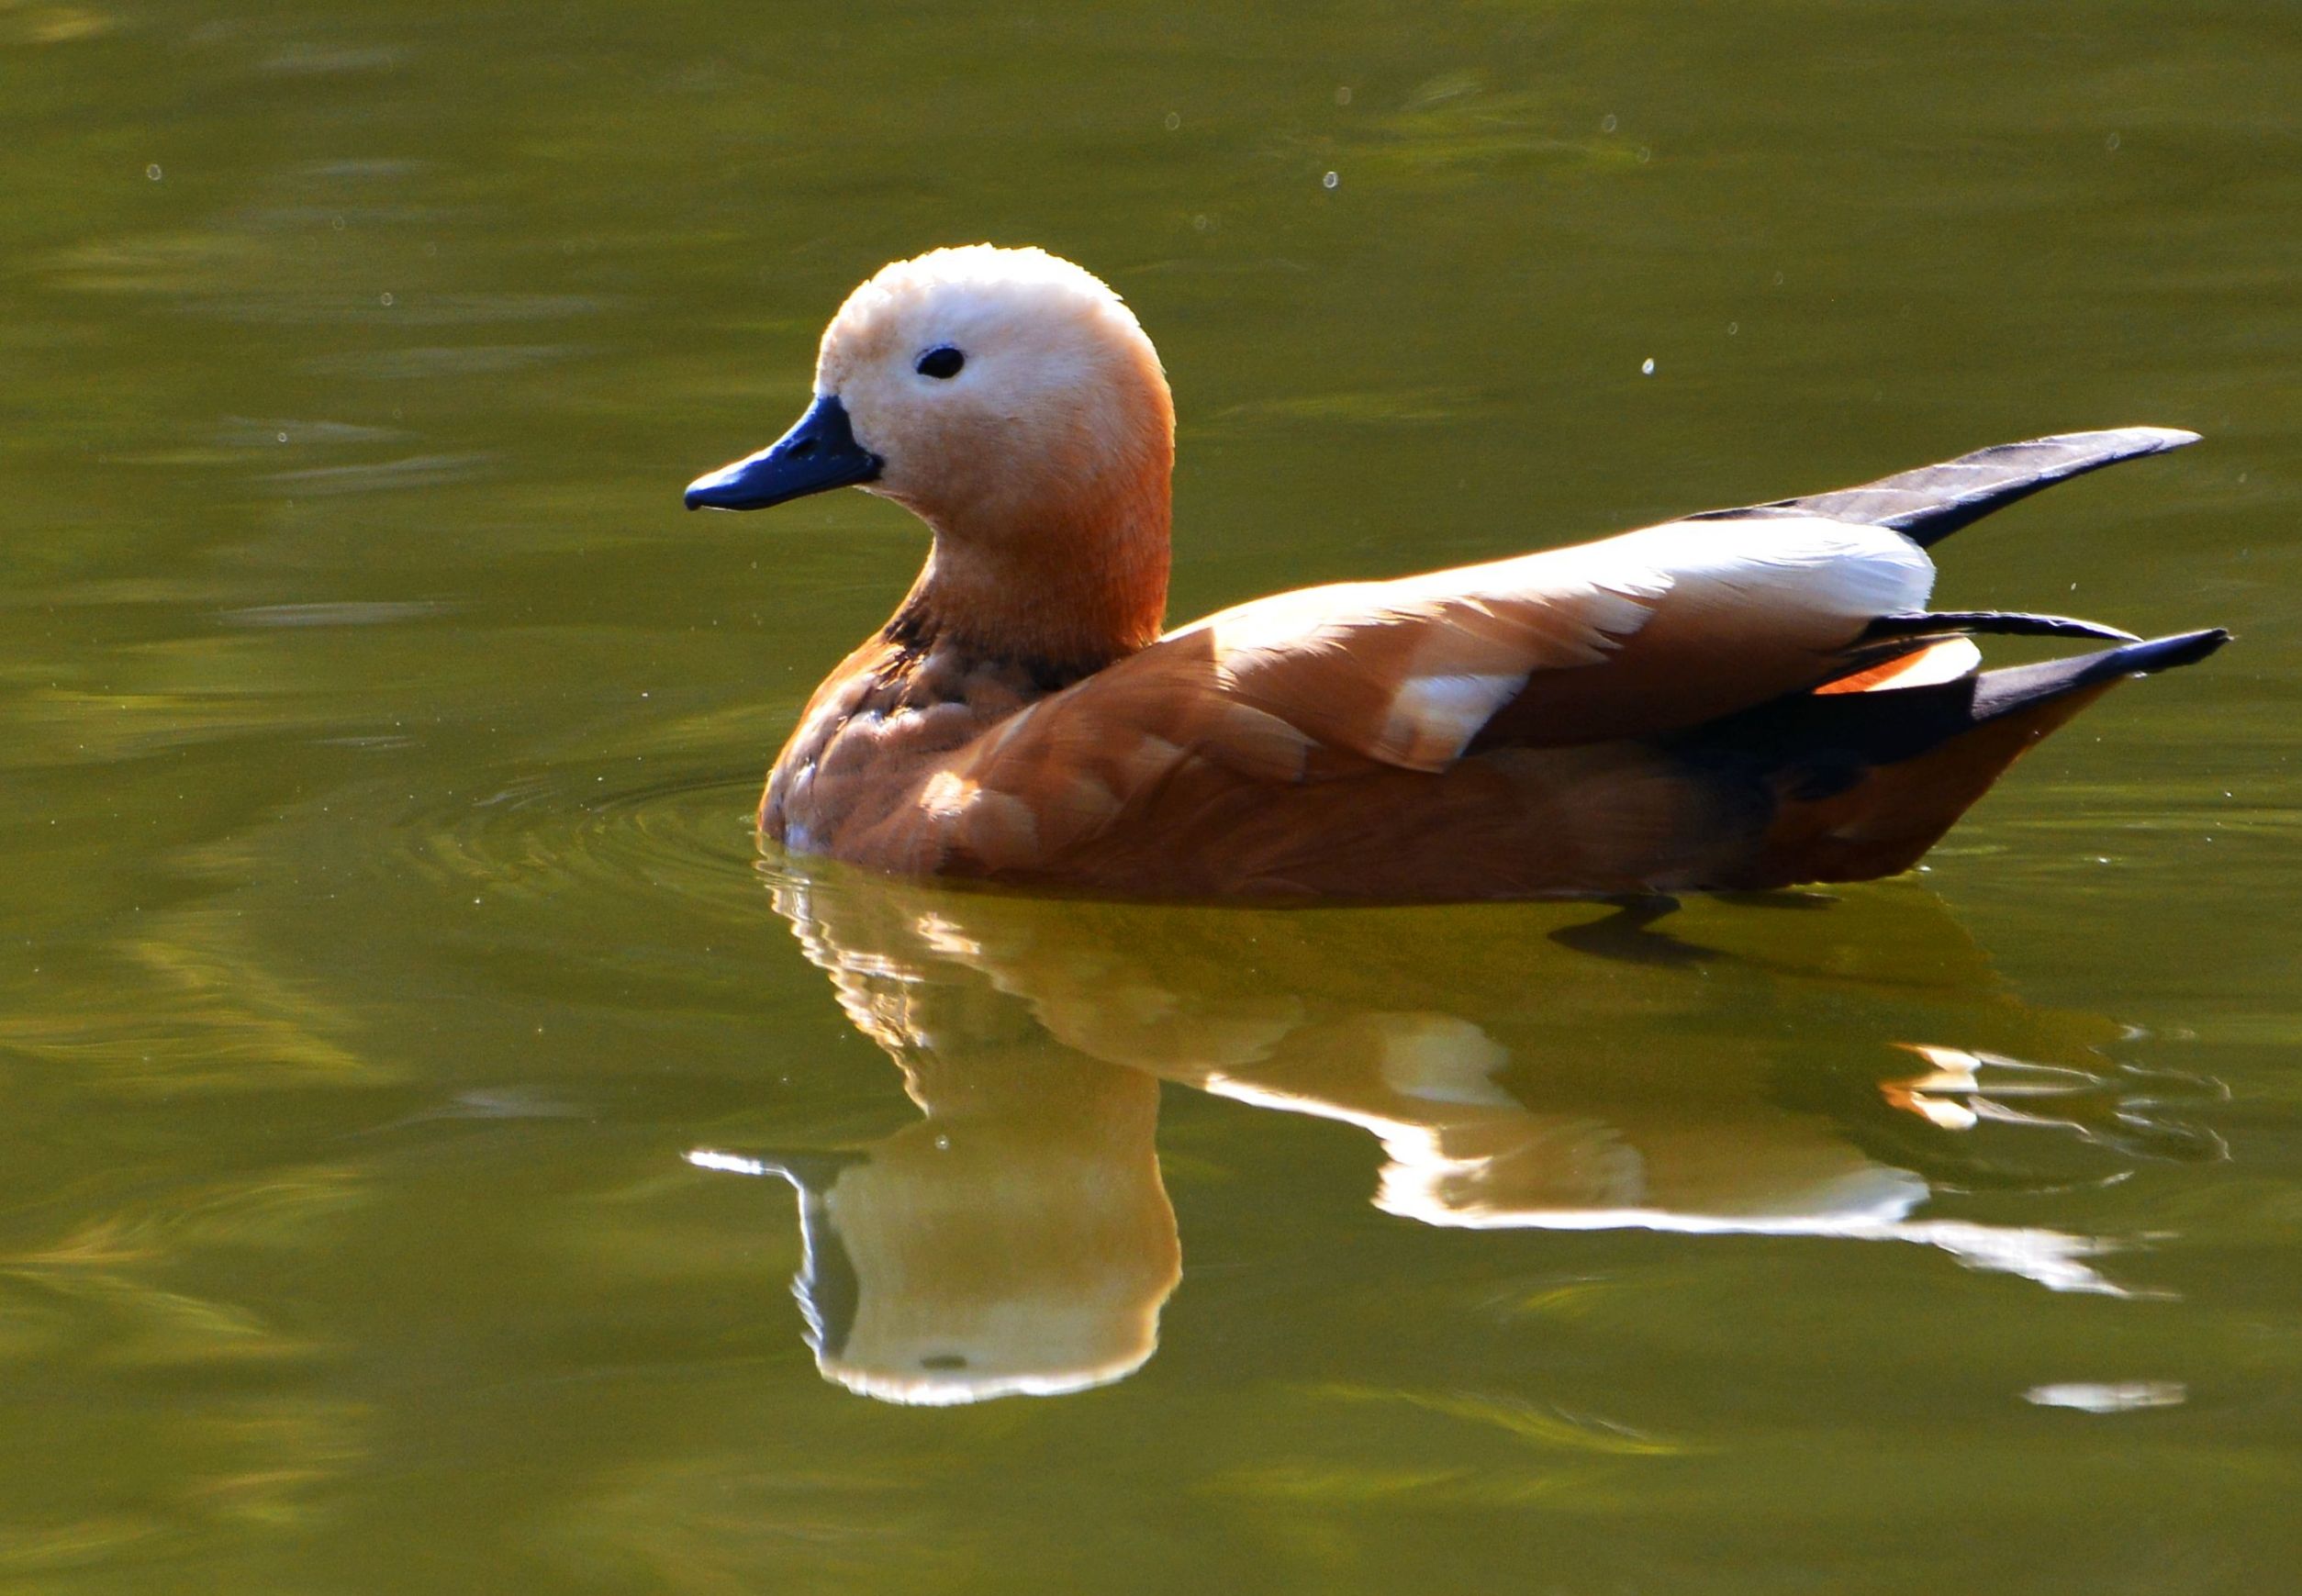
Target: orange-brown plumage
1743 698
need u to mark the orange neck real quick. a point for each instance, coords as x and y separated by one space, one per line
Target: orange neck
1067 592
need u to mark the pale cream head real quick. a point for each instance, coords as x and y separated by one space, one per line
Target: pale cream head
1012 401
1057 408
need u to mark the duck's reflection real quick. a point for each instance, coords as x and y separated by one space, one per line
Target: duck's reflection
1019 1240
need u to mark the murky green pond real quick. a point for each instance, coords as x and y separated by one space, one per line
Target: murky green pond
420 1098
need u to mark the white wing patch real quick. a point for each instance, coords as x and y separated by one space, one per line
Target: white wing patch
1434 718
1807 561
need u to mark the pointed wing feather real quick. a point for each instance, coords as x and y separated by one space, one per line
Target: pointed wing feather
1931 503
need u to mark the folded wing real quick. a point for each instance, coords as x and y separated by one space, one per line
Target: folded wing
1636 636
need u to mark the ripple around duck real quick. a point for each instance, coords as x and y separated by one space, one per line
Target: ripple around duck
610 831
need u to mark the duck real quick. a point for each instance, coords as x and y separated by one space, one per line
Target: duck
1735 700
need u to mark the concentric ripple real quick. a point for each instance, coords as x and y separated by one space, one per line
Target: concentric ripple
608 833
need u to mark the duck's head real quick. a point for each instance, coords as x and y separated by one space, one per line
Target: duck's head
1012 401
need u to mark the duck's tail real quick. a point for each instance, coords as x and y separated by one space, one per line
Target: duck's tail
1858 785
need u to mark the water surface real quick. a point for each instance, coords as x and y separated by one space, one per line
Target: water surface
422 1095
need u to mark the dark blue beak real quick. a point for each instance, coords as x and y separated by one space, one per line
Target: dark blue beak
820 453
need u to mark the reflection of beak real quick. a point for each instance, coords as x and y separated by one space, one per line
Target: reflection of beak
826 1285
819 453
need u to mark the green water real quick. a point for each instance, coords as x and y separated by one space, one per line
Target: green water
383 934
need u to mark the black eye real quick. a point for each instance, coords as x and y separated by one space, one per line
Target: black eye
940 362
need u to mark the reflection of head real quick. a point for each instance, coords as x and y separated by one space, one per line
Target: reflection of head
961 1260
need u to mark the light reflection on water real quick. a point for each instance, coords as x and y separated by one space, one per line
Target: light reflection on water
1017 1239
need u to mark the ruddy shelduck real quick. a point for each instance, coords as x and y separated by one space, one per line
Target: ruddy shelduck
1738 700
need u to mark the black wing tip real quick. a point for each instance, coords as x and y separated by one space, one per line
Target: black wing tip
2165 653
1927 503
2016 471
2128 441
2086 451
2006 692
2000 622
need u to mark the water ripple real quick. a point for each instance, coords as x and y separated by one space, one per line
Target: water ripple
378 476
602 826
